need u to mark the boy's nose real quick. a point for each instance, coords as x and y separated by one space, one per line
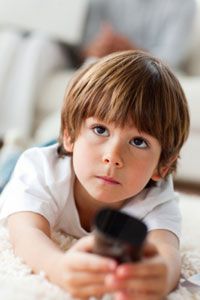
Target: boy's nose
113 159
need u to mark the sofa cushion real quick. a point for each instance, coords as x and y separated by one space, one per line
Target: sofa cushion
59 19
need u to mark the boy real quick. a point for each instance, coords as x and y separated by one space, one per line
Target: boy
123 123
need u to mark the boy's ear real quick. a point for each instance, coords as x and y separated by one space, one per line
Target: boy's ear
159 175
68 145
163 170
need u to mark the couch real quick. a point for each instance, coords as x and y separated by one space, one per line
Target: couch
43 113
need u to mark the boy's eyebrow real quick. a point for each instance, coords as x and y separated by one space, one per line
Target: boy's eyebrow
148 136
140 132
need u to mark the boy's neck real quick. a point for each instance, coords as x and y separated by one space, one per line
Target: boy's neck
86 205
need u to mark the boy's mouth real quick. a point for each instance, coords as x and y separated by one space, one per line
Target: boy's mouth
108 179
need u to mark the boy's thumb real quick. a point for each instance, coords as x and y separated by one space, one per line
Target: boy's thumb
149 250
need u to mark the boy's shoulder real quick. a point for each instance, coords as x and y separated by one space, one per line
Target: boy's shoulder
152 197
44 162
46 154
47 151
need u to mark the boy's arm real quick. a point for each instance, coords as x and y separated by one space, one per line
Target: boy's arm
30 236
168 247
154 276
78 271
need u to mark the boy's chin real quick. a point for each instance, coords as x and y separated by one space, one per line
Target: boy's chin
108 201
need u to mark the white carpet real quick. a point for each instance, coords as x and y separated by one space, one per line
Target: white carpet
18 283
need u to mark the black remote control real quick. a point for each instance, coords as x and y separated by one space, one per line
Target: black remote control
119 235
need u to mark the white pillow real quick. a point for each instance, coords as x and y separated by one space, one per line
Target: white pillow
51 95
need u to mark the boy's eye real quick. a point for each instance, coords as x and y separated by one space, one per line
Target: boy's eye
139 142
100 130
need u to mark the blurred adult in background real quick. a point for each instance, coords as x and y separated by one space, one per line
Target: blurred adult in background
161 27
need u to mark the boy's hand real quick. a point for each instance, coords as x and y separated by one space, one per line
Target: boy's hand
82 273
145 280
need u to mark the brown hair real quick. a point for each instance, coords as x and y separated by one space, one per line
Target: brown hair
134 86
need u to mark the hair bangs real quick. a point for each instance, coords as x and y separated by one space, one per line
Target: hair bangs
129 88
127 102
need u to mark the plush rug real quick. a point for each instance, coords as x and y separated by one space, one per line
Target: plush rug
18 283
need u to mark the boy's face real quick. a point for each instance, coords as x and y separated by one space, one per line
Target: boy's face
111 163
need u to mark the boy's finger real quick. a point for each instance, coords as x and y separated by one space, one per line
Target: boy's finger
79 279
81 261
84 244
95 290
149 250
125 295
144 269
148 286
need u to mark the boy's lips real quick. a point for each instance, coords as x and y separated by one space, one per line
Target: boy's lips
108 179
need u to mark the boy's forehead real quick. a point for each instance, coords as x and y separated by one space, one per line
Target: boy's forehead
106 121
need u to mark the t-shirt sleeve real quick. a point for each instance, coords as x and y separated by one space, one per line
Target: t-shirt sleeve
165 216
30 188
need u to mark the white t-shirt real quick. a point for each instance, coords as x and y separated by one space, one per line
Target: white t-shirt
42 182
